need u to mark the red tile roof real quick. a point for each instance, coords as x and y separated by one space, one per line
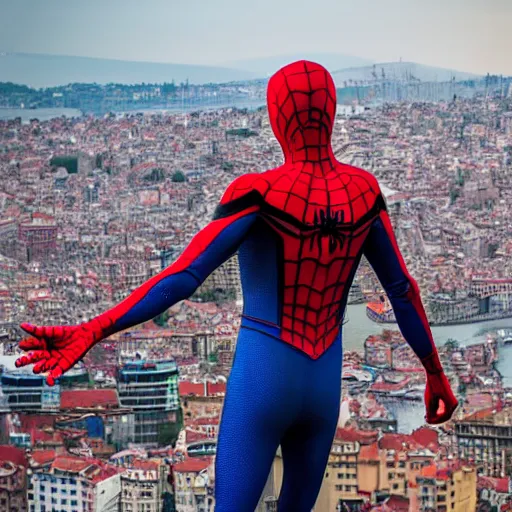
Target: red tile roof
89 399
71 464
352 435
500 485
191 388
397 442
427 437
398 503
43 457
369 452
192 465
12 454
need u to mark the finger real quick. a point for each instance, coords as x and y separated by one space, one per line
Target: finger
432 407
54 375
32 343
32 357
39 367
39 331
44 366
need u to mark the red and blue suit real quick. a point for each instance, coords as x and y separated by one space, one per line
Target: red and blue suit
300 231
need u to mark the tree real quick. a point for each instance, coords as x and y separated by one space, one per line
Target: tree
161 319
168 432
178 177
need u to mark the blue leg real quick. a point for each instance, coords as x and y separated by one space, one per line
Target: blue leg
263 398
307 444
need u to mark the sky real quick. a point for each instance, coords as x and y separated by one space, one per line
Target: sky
465 35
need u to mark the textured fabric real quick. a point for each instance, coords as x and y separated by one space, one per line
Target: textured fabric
276 395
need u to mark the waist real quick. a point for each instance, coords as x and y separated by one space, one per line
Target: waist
251 322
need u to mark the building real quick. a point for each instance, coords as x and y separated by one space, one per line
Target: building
8 237
38 236
23 390
13 476
193 485
143 484
340 479
445 486
150 389
486 440
75 484
225 278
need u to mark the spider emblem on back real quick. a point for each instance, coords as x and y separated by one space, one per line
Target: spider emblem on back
327 225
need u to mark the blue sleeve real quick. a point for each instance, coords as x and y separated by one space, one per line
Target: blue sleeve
382 253
171 286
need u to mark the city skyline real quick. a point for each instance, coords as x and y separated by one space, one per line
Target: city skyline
469 36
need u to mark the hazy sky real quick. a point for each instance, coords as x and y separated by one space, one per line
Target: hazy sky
467 35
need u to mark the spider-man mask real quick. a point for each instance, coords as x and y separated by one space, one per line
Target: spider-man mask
301 99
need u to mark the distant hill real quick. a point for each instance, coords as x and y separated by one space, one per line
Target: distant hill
399 70
39 70
267 66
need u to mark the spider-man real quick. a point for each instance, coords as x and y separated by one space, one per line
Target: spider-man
300 231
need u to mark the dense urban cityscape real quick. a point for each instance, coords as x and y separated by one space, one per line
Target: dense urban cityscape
92 206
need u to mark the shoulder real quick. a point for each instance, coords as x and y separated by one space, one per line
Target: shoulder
241 194
239 187
366 177
369 184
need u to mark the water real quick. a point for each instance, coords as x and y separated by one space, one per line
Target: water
359 327
43 114
410 414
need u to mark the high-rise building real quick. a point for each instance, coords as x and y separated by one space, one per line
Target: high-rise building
150 389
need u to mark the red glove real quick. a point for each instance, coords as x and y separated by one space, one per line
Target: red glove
57 349
440 402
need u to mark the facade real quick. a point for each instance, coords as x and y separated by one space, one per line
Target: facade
38 236
13 476
150 390
487 442
341 480
444 488
143 484
25 391
75 484
193 485
8 237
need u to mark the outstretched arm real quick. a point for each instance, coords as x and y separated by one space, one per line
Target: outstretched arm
58 348
383 254
211 247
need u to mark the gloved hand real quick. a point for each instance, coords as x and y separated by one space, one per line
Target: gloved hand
55 349
440 402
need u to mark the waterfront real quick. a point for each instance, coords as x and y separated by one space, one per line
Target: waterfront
410 414
358 327
43 114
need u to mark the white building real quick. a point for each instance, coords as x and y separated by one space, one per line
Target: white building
74 484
